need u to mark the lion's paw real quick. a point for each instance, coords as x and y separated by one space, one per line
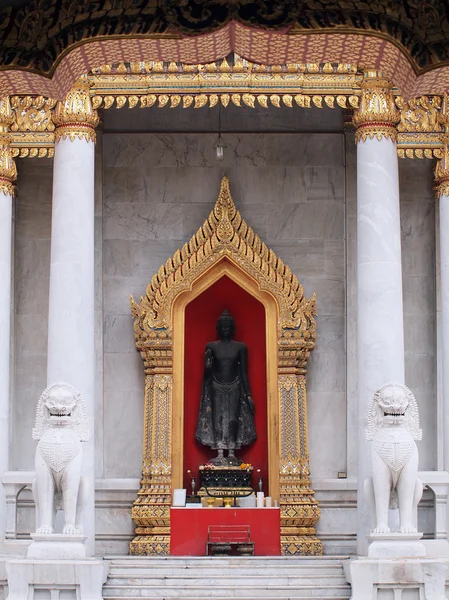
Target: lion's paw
70 530
44 530
381 529
408 529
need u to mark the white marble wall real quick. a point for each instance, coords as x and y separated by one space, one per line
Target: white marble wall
418 272
153 192
32 271
158 189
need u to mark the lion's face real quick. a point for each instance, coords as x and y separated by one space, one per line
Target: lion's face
393 402
60 407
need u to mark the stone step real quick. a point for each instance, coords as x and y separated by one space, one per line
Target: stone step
242 592
212 571
228 580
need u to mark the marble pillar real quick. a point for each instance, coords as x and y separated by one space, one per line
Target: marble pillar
71 354
7 175
442 192
380 329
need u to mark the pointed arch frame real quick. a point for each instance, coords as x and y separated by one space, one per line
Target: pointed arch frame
225 243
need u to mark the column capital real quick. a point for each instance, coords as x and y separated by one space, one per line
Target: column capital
8 171
75 117
377 114
441 173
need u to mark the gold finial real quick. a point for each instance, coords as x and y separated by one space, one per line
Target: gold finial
75 117
377 114
8 171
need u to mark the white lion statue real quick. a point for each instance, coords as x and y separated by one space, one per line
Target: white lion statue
393 427
61 426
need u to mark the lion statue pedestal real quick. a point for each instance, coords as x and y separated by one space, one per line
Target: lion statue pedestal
57 561
396 560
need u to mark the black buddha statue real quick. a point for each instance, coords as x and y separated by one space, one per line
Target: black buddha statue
226 417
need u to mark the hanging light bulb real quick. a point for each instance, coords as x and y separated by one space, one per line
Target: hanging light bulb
219 148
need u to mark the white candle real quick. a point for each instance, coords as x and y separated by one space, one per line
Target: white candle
268 501
260 498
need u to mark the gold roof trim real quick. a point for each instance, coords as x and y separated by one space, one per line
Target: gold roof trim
224 235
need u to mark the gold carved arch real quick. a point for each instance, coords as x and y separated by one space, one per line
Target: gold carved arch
225 244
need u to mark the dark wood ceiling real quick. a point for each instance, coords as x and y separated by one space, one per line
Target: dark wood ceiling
34 34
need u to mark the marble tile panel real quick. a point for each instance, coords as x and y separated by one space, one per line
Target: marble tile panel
330 333
334 258
419 294
415 179
279 184
418 237
98 393
317 183
143 221
116 292
257 218
31 334
330 294
327 433
112 520
177 185
311 220
420 333
24 447
178 150
118 333
31 371
336 189
114 184
124 372
427 448
305 150
122 257
32 222
156 253
304 257
123 426
420 372
32 258
31 295
327 370
193 217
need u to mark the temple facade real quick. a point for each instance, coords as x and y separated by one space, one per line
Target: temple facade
289 164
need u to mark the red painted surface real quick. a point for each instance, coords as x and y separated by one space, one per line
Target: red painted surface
189 527
200 327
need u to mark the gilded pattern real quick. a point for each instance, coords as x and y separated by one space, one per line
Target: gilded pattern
377 114
225 235
233 81
74 117
442 170
8 171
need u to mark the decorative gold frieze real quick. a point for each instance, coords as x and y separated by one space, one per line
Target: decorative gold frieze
75 117
377 114
442 169
225 245
8 171
229 82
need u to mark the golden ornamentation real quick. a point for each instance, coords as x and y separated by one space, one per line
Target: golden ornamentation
442 170
241 83
225 245
8 171
74 117
377 114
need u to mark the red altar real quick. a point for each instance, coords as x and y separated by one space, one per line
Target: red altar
189 528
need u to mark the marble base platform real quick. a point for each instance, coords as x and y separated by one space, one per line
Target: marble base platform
76 579
56 546
396 545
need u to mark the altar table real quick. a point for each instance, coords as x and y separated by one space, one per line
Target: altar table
189 528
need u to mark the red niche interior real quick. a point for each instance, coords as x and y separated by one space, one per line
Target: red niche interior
200 328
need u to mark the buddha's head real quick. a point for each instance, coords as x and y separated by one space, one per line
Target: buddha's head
225 326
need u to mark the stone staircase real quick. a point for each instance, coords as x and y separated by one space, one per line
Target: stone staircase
247 578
